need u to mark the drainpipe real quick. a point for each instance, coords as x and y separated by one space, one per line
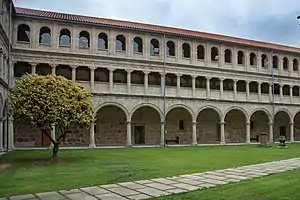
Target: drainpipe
8 75
165 52
273 92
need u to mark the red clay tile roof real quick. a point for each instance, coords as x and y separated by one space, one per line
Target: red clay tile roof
148 27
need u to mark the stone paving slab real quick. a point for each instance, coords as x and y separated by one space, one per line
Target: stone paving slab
146 189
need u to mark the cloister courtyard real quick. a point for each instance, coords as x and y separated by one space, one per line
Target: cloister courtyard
28 171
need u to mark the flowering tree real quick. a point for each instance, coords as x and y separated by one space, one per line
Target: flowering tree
51 99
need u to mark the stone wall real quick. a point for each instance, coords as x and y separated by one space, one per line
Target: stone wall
75 136
235 127
26 135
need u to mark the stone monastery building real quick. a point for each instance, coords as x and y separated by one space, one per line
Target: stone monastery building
151 85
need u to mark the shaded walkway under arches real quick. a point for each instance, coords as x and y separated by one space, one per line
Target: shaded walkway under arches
110 126
235 126
259 122
146 126
281 125
208 127
178 126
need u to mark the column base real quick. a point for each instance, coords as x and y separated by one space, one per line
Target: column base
92 146
129 146
194 144
222 143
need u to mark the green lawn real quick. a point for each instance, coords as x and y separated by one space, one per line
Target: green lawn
101 166
283 186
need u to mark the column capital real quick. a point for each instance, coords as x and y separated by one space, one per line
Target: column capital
193 76
195 123
129 71
111 69
208 77
178 75
128 122
73 66
221 79
222 123
247 81
93 67
146 72
270 123
34 64
291 123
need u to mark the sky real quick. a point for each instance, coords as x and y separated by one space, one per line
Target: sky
265 20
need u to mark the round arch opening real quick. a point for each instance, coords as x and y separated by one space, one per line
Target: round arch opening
178 126
146 126
208 126
235 126
110 126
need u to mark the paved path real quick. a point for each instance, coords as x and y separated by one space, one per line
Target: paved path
147 189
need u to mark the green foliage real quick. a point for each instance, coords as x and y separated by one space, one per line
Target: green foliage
51 99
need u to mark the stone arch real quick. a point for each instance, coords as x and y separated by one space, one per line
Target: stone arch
156 108
113 104
235 125
208 125
296 119
287 112
236 108
181 106
281 125
262 110
178 128
111 124
146 119
259 122
210 107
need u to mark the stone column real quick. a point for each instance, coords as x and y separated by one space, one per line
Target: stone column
271 132
280 92
111 80
92 136
193 86
53 134
92 72
1 133
222 131
1 64
194 135
129 81
162 81
208 87
292 132
11 133
162 133
33 68
129 143
291 93
146 82
259 90
234 90
248 133
247 89
221 88
178 84
53 69
270 93
74 73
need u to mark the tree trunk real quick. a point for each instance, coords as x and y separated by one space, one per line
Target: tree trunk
55 151
55 145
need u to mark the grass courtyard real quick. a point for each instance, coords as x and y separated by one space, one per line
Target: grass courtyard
81 168
283 186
